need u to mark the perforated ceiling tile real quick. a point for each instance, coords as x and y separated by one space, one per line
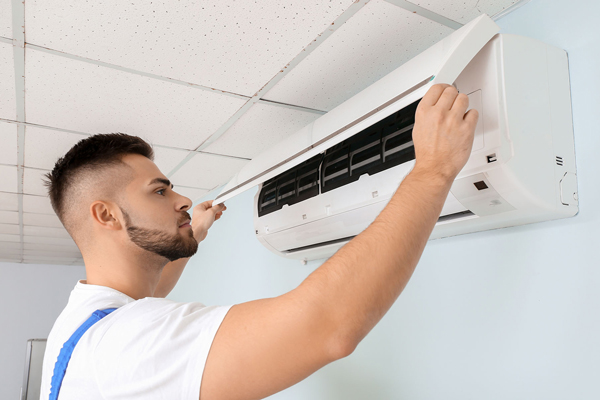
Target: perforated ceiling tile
465 10
11 229
260 127
45 231
9 202
75 95
33 182
8 179
8 104
50 221
167 159
207 171
38 205
8 141
6 18
43 147
9 217
191 193
229 45
371 44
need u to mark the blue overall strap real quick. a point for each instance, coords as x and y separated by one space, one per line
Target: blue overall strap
65 353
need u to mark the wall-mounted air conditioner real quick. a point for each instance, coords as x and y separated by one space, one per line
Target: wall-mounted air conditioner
324 185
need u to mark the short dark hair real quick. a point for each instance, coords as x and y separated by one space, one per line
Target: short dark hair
91 153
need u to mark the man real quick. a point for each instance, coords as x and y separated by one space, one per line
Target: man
135 237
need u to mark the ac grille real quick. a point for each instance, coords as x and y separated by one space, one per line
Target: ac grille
381 146
559 161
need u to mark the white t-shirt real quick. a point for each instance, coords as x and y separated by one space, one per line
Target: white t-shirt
151 348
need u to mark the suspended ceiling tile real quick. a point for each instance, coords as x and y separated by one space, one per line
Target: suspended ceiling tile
33 182
38 205
375 41
45 231
6 18
227 45
51 247
259 128
14 239
8 103
191 193
465 10
167 159
207 171
9 202
8 138
8 179
9 217
75 95
43 147
11 229
50 221
48 240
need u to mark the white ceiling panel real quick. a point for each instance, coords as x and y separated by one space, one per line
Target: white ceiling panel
8 179
260 127
15 239
33 182
9 217
48 240
69 94
229 45
8 140
191 193
43 147
375 41
45 231
50 221
465 10
9 202
11 229
38 205
167 159
50 247
6 18
207 171
8 103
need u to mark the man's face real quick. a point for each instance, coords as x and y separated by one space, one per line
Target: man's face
156 217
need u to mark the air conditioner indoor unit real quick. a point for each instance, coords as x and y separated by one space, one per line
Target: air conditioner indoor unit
325 184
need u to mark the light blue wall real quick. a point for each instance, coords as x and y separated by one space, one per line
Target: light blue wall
505 314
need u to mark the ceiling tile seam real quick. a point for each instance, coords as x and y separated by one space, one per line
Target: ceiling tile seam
313 45
423 12
339 21
18 30
136 72
292 106
36 195
6 40
51 128
510 9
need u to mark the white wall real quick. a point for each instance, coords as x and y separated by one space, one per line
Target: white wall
31 298
505 314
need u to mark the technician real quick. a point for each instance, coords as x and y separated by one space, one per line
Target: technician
119 338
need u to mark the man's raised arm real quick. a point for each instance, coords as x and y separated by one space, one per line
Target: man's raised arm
265 346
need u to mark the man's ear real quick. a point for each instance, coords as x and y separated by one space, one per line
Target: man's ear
106 214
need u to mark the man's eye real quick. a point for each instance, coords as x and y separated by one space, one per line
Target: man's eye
161 190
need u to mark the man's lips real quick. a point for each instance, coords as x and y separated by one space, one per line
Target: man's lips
186 224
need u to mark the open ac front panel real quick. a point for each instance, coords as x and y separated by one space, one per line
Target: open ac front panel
521 169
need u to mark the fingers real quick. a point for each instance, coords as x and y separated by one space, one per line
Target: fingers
433 94
460 105
471 118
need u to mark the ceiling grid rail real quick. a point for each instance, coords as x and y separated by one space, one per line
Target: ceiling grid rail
425 13
18 42
335 25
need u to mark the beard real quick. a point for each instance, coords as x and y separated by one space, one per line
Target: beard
167 245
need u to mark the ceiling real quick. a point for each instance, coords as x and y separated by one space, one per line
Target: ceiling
209 84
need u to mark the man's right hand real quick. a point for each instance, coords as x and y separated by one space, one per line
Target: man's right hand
443 132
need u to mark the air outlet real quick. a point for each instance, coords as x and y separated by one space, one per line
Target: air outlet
559 161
